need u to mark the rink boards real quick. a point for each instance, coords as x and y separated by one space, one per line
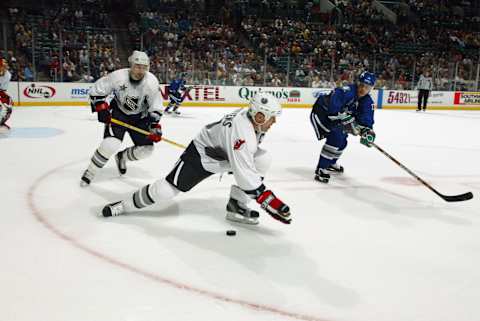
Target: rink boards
76 94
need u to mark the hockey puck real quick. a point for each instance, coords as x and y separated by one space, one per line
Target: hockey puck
231 232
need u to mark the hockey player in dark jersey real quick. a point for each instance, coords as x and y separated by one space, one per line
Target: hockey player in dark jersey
176 90
345 110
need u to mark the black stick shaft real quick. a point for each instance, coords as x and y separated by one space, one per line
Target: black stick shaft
406 169
454 198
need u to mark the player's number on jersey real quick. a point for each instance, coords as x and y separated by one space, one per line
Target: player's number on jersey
225 121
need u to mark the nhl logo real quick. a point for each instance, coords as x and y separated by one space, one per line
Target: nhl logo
131 103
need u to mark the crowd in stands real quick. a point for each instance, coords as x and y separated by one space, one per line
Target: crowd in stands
260 42
210 50
79 33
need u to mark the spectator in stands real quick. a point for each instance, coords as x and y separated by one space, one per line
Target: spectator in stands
28 73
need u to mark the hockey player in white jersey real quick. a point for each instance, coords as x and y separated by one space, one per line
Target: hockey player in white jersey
228 145
5 100
136 101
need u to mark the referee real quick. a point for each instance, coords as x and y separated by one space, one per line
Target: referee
424 87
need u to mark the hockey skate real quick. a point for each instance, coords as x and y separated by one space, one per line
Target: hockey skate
87 178
4 129
240 213
121 161
335 168
113 209
322 176
176 111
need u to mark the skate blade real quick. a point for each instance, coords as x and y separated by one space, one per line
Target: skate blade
234 217
321 180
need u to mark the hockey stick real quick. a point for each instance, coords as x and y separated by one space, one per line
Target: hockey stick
144 132
451 198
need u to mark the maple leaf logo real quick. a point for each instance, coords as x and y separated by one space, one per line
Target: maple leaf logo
238 144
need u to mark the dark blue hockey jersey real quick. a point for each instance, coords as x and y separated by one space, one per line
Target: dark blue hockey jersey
177 85
345 99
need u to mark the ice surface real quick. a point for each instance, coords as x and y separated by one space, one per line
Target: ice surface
373 245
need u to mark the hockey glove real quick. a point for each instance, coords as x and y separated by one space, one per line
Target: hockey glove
367 136
5 106
274 206
103 112
350 126
155 133
347 121
154 116
5 98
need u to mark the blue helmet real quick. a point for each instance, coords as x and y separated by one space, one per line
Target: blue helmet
367 78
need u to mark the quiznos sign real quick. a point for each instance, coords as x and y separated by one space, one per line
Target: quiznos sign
290 95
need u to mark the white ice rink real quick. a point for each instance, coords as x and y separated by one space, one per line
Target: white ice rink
373 245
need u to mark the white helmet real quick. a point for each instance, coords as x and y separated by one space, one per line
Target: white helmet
266 104
139 58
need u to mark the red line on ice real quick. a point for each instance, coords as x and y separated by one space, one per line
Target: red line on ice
154 277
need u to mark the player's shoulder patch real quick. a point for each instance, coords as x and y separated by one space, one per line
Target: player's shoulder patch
239 143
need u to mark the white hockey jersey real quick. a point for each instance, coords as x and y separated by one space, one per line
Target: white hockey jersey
131 98
5 80
230 145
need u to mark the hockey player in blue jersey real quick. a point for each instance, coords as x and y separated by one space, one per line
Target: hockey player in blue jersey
345 110
176 89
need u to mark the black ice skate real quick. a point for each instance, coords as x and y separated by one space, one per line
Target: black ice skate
87 178
121 162
240 213
113 209
335 168
322 176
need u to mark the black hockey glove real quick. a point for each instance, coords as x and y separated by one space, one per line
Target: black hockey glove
154 117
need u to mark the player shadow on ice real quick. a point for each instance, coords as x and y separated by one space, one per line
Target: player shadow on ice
182 115
110 174
388 203
257 253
